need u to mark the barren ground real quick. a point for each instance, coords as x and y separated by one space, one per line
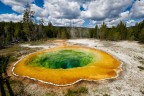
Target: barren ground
130 81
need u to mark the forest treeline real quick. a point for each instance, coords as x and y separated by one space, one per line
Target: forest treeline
119 32
28 30
11 32
19 32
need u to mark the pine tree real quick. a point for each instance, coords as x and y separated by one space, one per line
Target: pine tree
111 32
17 31
40 29
49 30
91 33
130 34
103 31
2 35
96 32
8 35
28 23
141 36
121 28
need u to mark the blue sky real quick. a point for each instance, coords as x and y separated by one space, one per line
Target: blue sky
39 3
79 13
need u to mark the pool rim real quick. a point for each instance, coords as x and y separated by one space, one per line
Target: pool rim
61 85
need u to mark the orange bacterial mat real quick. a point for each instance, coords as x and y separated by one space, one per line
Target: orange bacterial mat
98 65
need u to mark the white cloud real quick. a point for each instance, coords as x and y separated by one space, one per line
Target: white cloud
16 2
133 22
37 10
77 22
17 5
59 12
102 9
10 17
137 10
92 23
62 9
130 23
19 9
62 12
124 16
63 22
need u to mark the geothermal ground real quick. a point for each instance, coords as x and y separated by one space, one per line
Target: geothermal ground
130 81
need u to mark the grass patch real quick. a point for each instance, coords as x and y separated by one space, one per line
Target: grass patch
78 92
142 92
50 94
16 51
38 42
41 41
141 68
106 95
142 61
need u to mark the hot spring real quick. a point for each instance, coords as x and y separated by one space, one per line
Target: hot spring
67 65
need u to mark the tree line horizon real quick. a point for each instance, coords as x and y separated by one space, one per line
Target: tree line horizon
28 30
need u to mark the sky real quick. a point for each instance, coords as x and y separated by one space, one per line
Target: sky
78 13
